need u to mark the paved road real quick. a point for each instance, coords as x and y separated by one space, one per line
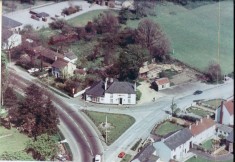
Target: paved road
85 142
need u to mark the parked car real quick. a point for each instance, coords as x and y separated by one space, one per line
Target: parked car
32 70
97 158
121 155
197 92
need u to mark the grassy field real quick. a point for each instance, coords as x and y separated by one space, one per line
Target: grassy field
82 20
198 111
207 144
199 159
120 123
167 127
194 33
214 103
11 140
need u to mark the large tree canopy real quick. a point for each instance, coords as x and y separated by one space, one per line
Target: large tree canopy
130 61
36 114
151 36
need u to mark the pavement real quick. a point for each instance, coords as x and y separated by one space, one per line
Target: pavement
52 9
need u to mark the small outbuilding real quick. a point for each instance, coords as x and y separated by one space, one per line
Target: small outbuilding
161 83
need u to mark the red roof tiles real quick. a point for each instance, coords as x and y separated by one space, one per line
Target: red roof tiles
162 81
203 125
229 106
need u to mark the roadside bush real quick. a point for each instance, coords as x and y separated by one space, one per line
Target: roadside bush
138 95
134 147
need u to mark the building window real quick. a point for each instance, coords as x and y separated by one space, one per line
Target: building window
111 95
129 95
163 86
129 100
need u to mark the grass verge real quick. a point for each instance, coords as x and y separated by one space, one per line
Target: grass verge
167 127
215 103
127 158
119 123
198 111
200 159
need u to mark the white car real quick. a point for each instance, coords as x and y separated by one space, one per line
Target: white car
32 70
97 158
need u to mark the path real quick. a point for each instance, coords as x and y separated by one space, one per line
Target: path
207 156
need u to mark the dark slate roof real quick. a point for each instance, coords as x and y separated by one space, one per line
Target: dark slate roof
146 154
230 137
121 87
224 128
178 138
8 23
97 89
70 55
6 34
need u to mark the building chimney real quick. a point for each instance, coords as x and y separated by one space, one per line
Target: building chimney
208 116
201 120
105 84
55 58
197 122
190 126
221 112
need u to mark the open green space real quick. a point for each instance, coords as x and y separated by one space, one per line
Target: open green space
198 111
207 144
200 159
215 103
127 158
167 127
119 123
194 33
82 20
11 140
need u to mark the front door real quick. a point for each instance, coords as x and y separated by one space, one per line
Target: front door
120 101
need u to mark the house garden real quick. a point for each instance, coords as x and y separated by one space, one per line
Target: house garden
198 111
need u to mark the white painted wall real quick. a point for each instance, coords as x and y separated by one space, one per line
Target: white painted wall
227 118
114 99
163 151
204 135
13 41
181 151
167 85
72 61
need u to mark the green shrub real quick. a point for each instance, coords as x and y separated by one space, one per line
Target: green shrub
138 95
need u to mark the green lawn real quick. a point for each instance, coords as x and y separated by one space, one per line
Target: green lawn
82 20
120 123
207 144
194 33
215 103
199 159
167 127
198 111
126 158
14 142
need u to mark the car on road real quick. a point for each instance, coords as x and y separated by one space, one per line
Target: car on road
197 92
121 155
97 158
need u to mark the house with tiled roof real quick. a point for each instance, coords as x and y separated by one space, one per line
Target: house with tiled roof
111 92
62 68
203 129
175 146
70 56
161 83
225 112
10 39
146 154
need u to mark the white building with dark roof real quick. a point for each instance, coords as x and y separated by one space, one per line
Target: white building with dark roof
10 39
112 92
176 146
10 24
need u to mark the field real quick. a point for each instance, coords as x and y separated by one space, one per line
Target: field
194 33
11 140
119 123
166 128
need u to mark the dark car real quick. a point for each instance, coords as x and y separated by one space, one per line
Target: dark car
197 92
